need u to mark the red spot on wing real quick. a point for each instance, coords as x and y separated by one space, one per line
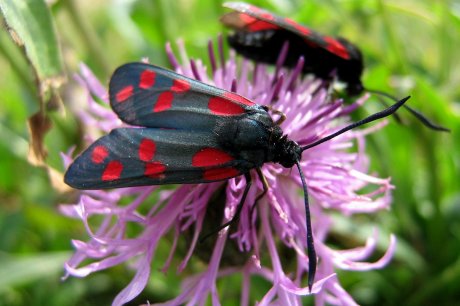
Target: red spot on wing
336 47
237 98
224 107
147 149
253 24
112 171
220 174
124 93
180 86
164 101
268 16
147 79
247 19
154 169
228 104
303 30
99 154
210 157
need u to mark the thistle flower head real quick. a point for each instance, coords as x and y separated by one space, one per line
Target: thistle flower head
335 172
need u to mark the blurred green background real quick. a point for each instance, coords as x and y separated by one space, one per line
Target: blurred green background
410 47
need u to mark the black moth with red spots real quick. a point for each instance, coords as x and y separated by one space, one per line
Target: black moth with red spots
189 133
260 36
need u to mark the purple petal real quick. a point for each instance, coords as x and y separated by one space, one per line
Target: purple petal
137 284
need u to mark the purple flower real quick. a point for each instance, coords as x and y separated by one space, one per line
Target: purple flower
336 174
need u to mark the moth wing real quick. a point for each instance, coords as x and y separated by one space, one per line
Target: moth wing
129 157
147 95
250 18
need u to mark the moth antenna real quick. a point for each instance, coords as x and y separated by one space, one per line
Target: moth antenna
416 113
382 114
382 93
310 241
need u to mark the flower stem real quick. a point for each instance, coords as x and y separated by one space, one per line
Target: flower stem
392 40
90 39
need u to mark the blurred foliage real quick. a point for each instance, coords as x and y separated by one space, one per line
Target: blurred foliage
409 48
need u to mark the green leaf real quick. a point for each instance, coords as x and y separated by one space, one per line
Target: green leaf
20 270
30 25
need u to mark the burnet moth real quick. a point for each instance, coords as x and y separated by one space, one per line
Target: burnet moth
189 132
261 36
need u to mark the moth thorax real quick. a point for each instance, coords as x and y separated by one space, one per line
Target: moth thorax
286 152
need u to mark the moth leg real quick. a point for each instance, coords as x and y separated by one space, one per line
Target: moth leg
236 217
281 118
263 179
277 112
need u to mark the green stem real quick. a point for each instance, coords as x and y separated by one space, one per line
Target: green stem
168 28
445 45
91 40
23 77
436 285
394 45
